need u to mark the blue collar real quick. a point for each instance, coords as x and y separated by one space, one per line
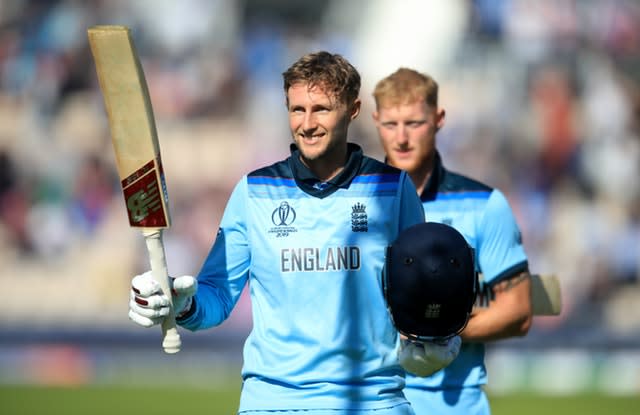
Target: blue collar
310 184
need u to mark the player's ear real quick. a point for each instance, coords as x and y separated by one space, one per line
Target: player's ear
440 116
355 109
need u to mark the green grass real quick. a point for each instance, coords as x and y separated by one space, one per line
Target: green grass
587 404
96 400
117 401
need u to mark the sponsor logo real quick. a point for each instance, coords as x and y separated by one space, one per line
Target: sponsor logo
142 202
145 196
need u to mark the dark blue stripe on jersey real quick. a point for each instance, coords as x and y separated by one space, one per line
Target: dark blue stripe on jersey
462 195
510 272
279 170
376 184
281 181
377 178
280 188
272 181
373 176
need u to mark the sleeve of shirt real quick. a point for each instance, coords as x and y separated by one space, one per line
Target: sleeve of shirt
500 250
225 270
411 210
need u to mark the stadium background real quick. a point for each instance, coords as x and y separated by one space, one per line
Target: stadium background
543 101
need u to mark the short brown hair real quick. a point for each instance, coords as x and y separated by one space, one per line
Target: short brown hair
406 86
330 71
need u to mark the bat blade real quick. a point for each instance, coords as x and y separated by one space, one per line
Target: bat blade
137 150
546 298
132 125
546 295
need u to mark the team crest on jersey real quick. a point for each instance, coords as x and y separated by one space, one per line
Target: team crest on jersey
283 217
359 220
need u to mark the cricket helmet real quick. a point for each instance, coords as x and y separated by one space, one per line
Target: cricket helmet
429 281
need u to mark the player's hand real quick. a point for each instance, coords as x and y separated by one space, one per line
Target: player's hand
148 305
424 359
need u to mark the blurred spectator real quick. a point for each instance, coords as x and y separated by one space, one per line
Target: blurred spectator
14 207
553 107
92 193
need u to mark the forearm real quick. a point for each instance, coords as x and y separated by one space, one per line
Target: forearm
508 315
210 307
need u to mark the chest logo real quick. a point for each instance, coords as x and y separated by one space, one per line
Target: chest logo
359 219
283 217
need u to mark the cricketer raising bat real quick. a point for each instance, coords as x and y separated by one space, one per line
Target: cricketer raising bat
135 141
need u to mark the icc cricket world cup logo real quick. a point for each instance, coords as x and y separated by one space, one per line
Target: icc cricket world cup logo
283 216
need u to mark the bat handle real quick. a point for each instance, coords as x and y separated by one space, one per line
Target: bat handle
170 338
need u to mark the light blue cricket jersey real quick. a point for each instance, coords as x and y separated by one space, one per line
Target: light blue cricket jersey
483 216
312 254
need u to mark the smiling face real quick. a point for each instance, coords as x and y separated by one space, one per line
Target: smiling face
319 123
408 135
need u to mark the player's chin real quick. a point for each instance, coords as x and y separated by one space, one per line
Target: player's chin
311 154
311 151
403 163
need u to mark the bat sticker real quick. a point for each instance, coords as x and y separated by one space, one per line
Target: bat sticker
142 196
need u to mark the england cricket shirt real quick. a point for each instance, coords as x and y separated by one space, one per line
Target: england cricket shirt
483 216
312 253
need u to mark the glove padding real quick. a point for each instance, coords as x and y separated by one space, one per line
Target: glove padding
424 359
148 305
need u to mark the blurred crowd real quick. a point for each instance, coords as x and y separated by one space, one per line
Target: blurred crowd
542 99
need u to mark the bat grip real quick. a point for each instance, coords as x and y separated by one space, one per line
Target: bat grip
170 338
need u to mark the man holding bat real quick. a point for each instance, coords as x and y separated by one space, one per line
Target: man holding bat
407 118
308 234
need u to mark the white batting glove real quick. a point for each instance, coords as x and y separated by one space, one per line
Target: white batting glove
424 359
148 305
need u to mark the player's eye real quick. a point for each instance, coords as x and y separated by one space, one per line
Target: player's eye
321 109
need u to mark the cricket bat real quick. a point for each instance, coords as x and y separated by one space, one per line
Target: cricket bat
137 151
546 296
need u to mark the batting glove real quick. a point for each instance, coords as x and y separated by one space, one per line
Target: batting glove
148 305
424 359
